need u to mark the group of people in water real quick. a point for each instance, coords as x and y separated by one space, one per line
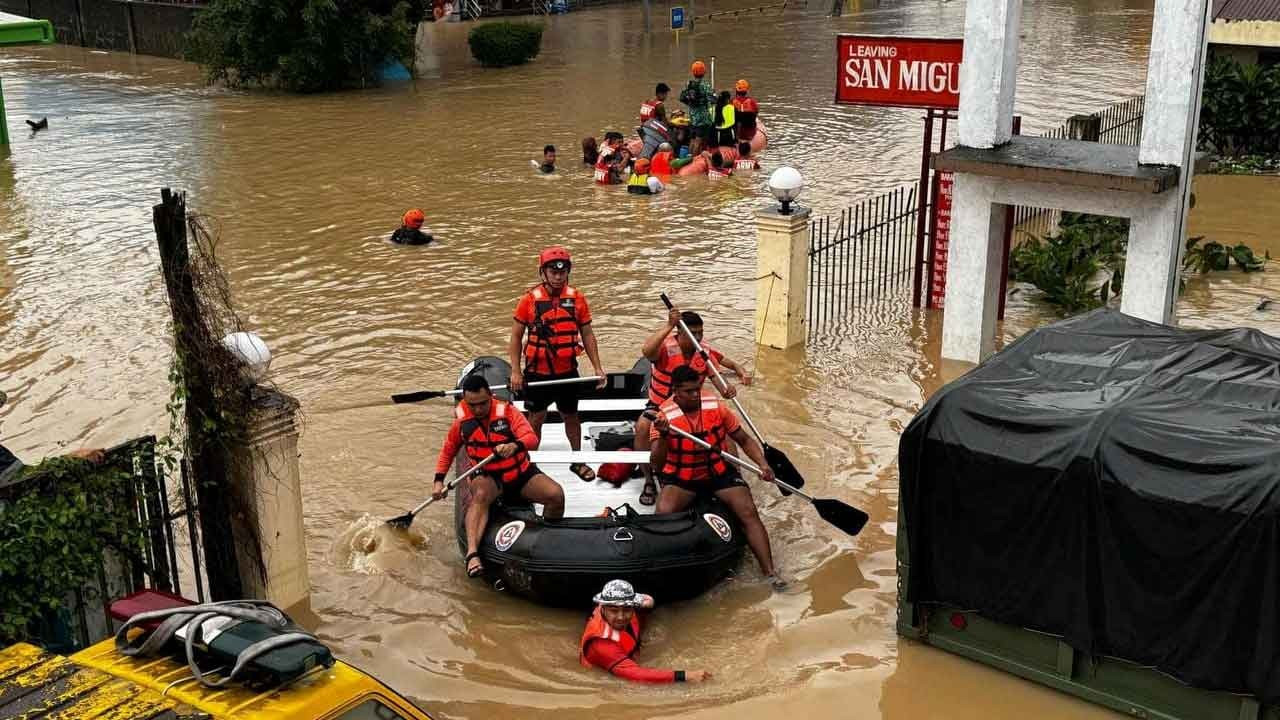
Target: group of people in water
672 139
551 326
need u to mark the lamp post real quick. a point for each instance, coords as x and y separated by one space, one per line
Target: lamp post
786 184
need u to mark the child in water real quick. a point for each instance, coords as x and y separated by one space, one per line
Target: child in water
548 164
410 231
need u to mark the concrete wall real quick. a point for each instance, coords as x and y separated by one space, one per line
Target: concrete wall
1254 33
143 27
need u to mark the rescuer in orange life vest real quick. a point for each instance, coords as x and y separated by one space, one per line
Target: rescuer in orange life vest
558 324
484 426
613 633
688 471
746 110
667 349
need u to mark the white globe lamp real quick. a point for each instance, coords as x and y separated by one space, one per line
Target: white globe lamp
252 351
786 183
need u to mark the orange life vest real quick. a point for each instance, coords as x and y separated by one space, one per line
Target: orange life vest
598 629
671 357
661 164
554 334
685 460
480 438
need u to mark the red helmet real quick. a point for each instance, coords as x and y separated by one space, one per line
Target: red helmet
698 68
414 218
555 253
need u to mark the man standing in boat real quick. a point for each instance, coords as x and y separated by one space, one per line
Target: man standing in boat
552 324
688 471
667 349
612 636
484 426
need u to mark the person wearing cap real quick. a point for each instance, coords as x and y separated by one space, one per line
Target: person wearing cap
746 110
612 636
551 326
699 97
410 231
648 107
641 182
12 468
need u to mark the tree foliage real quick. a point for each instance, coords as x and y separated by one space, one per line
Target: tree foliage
302 45
1240 110
501 44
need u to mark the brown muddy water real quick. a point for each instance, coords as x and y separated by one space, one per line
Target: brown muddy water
304 191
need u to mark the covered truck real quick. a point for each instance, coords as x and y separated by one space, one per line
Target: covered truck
1097 508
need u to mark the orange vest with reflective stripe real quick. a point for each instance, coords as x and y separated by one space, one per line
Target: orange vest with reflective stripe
670 357
598 629
685 460
480 438
554 332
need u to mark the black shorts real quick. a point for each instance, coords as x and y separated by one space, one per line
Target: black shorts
564 396
709 486
509 492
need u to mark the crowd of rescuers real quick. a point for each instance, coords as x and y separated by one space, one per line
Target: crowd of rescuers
672 139
551 327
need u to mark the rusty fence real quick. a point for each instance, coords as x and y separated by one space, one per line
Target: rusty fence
863 255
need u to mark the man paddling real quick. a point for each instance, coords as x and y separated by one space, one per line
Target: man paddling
667 351
484 426
557 322
612 636
688 471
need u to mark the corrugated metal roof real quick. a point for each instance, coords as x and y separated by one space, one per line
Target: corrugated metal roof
1268 10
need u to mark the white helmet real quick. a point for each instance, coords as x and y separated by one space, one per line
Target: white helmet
618 593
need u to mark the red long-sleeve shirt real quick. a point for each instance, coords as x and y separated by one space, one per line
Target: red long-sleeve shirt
610 656
453 441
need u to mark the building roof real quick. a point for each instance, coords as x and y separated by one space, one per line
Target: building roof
1266 10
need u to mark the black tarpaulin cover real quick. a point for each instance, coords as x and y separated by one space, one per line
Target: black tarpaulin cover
1117 483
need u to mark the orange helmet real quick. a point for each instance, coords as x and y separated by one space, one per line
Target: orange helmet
698 68
642 166
414 218
554 254
742 86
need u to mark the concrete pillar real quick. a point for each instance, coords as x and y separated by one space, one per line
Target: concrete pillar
266 469
1153 260
782 256
989 72
973 270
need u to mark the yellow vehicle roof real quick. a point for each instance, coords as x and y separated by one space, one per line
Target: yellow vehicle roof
98 682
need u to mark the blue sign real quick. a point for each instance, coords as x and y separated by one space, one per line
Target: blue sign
677 18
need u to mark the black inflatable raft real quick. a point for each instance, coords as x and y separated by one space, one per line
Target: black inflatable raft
565 562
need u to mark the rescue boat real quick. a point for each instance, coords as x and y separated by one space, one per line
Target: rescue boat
605 534
699 165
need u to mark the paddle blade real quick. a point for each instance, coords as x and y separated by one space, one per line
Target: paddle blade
846 517
401 522
783 469
416 396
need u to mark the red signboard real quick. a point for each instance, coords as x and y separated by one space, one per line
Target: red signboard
941 239
898 71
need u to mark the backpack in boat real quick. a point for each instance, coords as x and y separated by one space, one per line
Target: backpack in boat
690 95
615 438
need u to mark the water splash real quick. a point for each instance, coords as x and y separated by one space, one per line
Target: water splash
370 546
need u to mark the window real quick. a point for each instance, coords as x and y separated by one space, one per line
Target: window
370 709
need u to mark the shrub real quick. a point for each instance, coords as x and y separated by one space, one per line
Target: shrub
1066 267
1240 110
501 44
301 45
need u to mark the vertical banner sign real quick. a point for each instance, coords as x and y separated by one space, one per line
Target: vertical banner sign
898 71
941 239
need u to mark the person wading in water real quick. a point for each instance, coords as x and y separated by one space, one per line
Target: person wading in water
612 636
552 324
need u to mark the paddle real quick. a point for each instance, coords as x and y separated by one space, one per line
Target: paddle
778 460
404 521
421 395
846 517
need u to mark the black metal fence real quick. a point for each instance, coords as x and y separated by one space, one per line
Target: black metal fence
865 256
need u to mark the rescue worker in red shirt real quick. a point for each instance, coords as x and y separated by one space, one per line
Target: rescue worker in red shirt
613 633
746 110
648 106
555 317
667 349
688 471
484 426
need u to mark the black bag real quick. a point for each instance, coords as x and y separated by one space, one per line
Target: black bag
615 438
689 96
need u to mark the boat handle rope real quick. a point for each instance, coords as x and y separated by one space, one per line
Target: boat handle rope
619 537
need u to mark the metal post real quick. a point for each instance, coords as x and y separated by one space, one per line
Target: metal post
920 209
1008 239
647 29
4 122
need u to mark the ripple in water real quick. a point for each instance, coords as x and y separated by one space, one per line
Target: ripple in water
370 546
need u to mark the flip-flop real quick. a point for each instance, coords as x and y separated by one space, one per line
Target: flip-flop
583 471
476 571
649 495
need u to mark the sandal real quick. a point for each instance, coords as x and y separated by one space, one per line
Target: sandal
583 471
649 495
476 571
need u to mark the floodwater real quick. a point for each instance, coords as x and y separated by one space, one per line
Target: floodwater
304 191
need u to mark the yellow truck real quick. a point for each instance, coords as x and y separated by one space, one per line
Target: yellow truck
101 683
